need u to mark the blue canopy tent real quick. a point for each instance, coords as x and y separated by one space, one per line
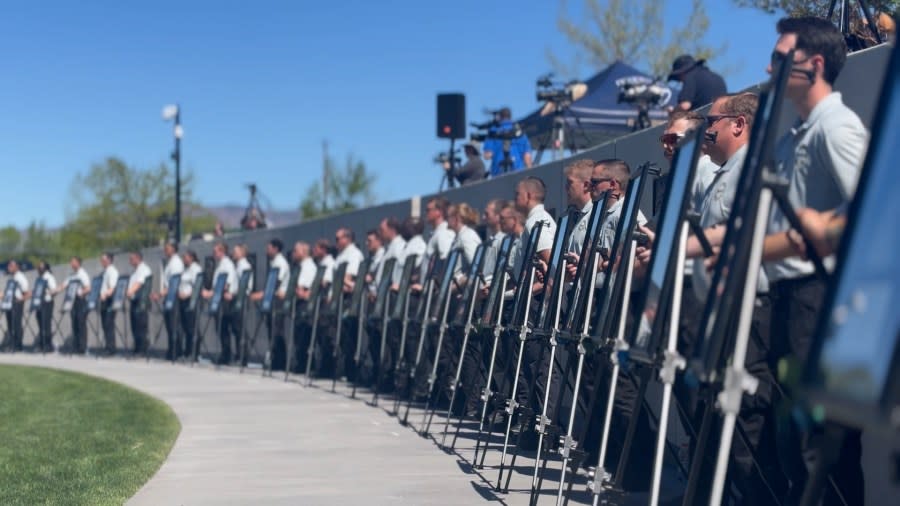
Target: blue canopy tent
594 118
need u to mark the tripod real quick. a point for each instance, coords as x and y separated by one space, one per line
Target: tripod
441 321
467 303
401 316
447 180
563 134
485 321
337 307
424 324
316 293
844 19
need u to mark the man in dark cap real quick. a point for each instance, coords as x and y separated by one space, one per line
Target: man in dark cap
699 85
472 170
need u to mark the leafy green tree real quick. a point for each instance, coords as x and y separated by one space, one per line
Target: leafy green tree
41 243
632 31
10 241
116 206
341 189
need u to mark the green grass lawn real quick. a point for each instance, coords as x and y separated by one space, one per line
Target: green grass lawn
68 438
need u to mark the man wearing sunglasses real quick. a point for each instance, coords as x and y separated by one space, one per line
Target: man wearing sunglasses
728 126
821 158
681 123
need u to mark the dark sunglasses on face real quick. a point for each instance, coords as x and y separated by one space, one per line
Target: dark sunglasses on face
778 57
599 180
670 139
711 119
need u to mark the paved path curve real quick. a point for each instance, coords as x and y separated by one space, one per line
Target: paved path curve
252 440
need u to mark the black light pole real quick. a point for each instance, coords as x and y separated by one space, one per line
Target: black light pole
174 112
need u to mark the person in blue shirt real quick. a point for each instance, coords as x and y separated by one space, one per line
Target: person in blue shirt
518 148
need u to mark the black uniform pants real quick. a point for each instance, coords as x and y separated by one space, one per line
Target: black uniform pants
45 327
14 325
188 320
108 322
79 325
225 327
139 324
796 304
236 327
169 321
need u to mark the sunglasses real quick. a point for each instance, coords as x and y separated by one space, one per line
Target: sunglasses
711 119
778 57
670 139
598 180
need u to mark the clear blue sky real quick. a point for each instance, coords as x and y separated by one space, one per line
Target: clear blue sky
261 84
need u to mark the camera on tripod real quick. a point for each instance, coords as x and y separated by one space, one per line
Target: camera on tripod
506 134
641 90
549 90
254 217
442 158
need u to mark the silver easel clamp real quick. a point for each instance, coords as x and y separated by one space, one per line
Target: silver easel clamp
737 382
672 362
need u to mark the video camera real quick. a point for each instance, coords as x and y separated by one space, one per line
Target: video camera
643 91
493 123
507 134
557 92
442 158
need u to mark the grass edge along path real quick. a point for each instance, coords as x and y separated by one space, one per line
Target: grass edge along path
70 438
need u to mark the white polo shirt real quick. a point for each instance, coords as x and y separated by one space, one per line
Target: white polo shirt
173 266
352 256
139 277
284 272
539 214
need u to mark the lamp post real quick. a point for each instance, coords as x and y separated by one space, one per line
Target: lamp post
173 112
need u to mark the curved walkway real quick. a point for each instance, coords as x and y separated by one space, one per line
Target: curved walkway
252 440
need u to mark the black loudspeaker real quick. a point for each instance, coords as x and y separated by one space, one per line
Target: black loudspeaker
451 116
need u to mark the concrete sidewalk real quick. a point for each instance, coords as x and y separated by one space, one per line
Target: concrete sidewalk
252 440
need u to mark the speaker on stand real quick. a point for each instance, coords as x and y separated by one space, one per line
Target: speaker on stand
451 124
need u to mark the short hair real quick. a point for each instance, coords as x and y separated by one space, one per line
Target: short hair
393 223
137 254
411 227
349 233
617 169
109 256
580 168
173 245
224 246
818 36
77 259
441 204
741 104
535 186
277 244
302 245
496 204
505 113
191 253
467 214
511 206
325 245
241 246
694 118
374 232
